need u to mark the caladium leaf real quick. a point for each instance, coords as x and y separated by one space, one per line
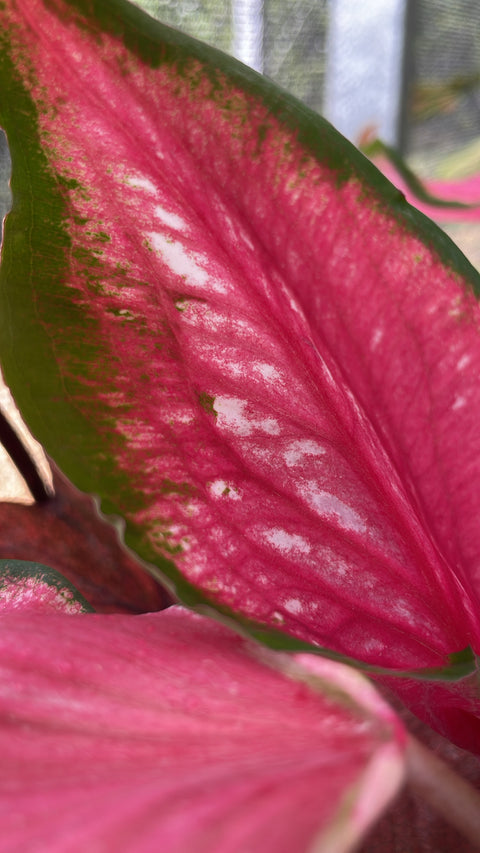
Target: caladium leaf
67 533
31 586
166 732
218 316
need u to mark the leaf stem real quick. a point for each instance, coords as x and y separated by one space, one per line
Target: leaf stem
444 790
22 459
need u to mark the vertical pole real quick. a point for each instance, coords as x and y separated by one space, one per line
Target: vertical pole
365 67
247 45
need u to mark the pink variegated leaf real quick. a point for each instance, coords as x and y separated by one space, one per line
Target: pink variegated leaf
221 319
67 533
167 732
32 587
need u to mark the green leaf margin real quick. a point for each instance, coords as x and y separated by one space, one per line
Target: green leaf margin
16 571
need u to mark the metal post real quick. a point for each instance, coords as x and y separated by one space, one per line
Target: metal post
247 17
365 67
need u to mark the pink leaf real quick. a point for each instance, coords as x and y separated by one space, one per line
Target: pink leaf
67 533
462 191
166 732
261 357
38 589
412 825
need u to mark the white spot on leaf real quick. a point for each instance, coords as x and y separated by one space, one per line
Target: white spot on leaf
143 184
376 338
170 219
278 618
177 258
268 372
231 416
294 606
330 506
463 362
287 542
221 489
297 450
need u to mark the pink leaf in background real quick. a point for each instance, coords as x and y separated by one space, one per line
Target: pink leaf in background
247 344
464 191
167 732
33 587
67 533
412 825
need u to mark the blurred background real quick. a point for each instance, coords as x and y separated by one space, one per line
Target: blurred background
407 71
408 68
